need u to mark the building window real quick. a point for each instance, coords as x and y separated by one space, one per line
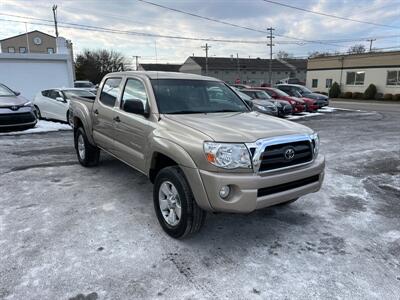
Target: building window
22 49
244 72
355 78
11 50
50 50
328 83
253 72
314 83
393 78
262 72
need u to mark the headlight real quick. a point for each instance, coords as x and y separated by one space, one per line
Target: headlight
315 142
28 103
263 108
227 156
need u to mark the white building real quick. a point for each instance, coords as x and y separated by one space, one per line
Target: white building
355 72
29 73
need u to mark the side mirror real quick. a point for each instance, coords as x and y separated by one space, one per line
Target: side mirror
17 93
135 106
60 99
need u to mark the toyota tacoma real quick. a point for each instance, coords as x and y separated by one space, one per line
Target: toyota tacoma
199 143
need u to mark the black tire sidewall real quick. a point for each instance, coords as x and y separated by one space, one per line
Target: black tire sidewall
183 189
79 132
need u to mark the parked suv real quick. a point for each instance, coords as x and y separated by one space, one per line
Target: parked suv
204 150
322 100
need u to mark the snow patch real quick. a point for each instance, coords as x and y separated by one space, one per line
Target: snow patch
41 126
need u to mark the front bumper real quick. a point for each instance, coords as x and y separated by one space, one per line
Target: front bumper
22 117
248 189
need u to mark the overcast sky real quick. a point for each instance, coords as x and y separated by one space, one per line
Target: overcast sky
132 15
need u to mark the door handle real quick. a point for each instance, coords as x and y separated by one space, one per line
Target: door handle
117 119
96 112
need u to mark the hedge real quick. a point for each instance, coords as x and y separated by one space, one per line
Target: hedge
396 97
348 95
370 92
357 95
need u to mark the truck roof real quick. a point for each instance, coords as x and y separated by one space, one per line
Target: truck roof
164 75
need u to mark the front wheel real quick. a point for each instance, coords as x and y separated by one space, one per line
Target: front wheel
88 155
37 113
174 203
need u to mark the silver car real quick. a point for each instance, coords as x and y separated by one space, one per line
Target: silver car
15 111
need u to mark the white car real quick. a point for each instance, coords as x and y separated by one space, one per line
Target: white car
54 103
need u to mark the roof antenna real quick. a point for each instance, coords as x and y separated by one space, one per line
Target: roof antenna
155 50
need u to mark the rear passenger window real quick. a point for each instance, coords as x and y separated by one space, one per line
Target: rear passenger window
110 91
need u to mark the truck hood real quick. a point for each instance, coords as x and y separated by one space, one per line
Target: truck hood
238 127
7 101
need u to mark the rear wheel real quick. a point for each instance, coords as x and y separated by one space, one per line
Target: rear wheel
88 155
174 203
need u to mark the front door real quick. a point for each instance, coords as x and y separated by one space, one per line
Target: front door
103 114
132 130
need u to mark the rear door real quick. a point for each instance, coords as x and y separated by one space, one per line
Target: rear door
132 130
103 114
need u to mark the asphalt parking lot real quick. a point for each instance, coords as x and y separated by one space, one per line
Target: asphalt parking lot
71 232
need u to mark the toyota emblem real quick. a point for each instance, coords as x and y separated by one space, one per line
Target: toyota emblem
289 154
14 107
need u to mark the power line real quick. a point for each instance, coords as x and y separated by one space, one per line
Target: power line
110 30
329 15
231 24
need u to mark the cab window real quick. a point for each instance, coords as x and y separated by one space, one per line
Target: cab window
110 91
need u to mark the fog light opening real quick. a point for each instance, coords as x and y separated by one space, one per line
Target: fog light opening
224 191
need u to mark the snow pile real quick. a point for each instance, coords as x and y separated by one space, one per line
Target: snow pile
41 126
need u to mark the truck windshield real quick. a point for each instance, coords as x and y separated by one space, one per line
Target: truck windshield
184 96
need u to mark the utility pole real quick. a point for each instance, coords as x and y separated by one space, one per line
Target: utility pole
270 44
55 19
206 48
370 44
238 67
137 61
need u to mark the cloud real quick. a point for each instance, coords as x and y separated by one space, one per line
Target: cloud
141 17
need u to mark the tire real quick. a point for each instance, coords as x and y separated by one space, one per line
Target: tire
37 113
191 218
287 202
88 155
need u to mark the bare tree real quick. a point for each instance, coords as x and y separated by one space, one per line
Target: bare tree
94 64
283 54
359 48
318 54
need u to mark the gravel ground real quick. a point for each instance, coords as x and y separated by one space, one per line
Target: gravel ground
67 232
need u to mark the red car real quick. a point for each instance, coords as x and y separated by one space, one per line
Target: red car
298 105
311 104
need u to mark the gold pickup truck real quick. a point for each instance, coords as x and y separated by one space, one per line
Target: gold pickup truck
199 143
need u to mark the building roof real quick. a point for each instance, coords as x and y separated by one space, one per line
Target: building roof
162 75
161 67
256 64
9 38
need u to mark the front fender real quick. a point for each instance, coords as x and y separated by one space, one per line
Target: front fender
186 163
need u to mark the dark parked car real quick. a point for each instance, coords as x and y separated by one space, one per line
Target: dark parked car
310 104
261 105
322 100
297 104
284 107
15 111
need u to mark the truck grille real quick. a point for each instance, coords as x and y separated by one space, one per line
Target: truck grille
285 155
16 119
